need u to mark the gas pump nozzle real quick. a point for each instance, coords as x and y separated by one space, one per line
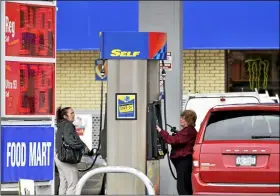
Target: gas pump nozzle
173 129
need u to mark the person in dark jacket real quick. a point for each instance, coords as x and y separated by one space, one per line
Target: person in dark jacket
66 134
182 149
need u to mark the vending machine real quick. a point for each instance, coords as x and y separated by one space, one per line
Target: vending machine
28 59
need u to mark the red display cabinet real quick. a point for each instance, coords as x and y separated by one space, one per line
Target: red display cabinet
30 30
30 88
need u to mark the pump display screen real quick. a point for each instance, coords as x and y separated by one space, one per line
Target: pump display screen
29 88
30 30
158 114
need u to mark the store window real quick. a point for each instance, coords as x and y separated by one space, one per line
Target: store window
30 88
30 30
253 69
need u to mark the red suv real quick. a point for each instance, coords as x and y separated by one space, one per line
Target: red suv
237 151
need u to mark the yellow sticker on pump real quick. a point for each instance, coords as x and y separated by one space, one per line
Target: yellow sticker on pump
126 108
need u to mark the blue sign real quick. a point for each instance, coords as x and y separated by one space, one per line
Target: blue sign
27 153
231 25
126 106
133 45
206 24
91 17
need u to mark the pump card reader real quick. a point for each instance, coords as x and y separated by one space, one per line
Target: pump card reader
156 148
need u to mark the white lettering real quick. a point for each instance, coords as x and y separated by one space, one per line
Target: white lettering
39 154
16 154
49 144
11 84
13 154
46 149
39 162
10 28
17 157
23 158
44 154
8 153
32 154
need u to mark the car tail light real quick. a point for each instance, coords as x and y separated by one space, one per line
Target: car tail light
196 155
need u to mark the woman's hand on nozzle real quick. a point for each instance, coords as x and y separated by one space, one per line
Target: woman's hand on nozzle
159 129
91 152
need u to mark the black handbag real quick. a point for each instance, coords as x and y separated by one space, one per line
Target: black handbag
68 154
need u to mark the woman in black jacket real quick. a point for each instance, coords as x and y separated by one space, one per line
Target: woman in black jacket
69 151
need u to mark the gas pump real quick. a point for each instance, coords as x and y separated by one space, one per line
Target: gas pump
156 147
129 137
129 133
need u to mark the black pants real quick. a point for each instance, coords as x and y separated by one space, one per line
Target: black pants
183 166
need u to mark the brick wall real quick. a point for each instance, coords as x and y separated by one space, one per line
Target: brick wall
75 76
206 74
76 85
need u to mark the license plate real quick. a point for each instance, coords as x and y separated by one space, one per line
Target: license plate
246 160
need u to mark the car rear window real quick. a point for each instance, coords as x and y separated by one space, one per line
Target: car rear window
242 125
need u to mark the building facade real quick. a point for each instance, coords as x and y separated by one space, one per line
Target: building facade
204 71
76 84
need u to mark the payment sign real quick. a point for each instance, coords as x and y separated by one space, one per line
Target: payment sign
133 45
126 106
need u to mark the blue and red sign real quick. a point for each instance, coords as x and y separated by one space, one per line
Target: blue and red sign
133 45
